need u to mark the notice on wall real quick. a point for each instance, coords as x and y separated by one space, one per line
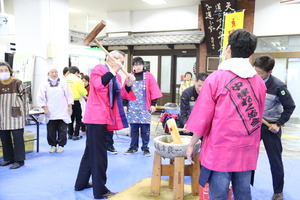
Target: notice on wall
23 67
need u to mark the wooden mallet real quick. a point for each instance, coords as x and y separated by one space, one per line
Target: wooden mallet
92 38
266 123
171 123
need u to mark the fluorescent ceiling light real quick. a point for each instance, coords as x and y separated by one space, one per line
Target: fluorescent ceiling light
73 10
155 2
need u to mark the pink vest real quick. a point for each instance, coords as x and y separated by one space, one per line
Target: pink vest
152 90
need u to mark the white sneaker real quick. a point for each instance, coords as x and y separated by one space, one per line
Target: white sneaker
53 149
60 149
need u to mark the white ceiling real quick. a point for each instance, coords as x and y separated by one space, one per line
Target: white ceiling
94 7
98 9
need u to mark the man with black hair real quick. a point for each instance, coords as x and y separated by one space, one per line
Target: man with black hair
78 90
66 71
188 99
228 116
279 106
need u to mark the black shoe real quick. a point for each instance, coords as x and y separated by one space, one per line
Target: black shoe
147 153
74 137
277 196
69 136
130 151
109 194
112 150
5 163
89 185
16 165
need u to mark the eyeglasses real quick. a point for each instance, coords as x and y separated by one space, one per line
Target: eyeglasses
122 61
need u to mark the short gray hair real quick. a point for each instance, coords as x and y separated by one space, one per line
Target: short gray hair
116 54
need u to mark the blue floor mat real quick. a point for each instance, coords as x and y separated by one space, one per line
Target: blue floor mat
52 176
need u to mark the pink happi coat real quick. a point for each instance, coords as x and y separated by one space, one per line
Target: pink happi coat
152 90
228 114
98 109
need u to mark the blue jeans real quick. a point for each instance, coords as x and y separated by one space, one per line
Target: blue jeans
219 185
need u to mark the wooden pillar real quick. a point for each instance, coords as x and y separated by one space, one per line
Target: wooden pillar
178 188
195 175
171 177
156 174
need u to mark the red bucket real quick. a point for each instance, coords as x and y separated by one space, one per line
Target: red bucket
203 193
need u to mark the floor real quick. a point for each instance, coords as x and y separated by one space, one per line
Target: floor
52 176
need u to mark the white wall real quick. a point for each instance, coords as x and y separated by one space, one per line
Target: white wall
39 25
272 18
79 22
4 44
153 20
118 21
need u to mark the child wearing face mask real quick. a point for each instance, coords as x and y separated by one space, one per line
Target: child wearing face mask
13 111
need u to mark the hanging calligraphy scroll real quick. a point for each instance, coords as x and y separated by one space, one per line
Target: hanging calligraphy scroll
213 22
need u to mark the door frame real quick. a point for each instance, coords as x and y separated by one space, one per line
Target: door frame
174 53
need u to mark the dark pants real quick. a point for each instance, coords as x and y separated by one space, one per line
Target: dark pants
83 128
145 134
94 161
272 143
76 116
109 141
57 133
12 152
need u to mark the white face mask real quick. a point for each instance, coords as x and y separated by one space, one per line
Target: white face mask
51 79
4 76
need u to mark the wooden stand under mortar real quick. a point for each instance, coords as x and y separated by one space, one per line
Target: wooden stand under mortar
176 171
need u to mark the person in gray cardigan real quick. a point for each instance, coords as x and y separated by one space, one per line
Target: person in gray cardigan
279 106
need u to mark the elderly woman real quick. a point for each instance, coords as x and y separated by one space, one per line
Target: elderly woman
13 109
55 97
